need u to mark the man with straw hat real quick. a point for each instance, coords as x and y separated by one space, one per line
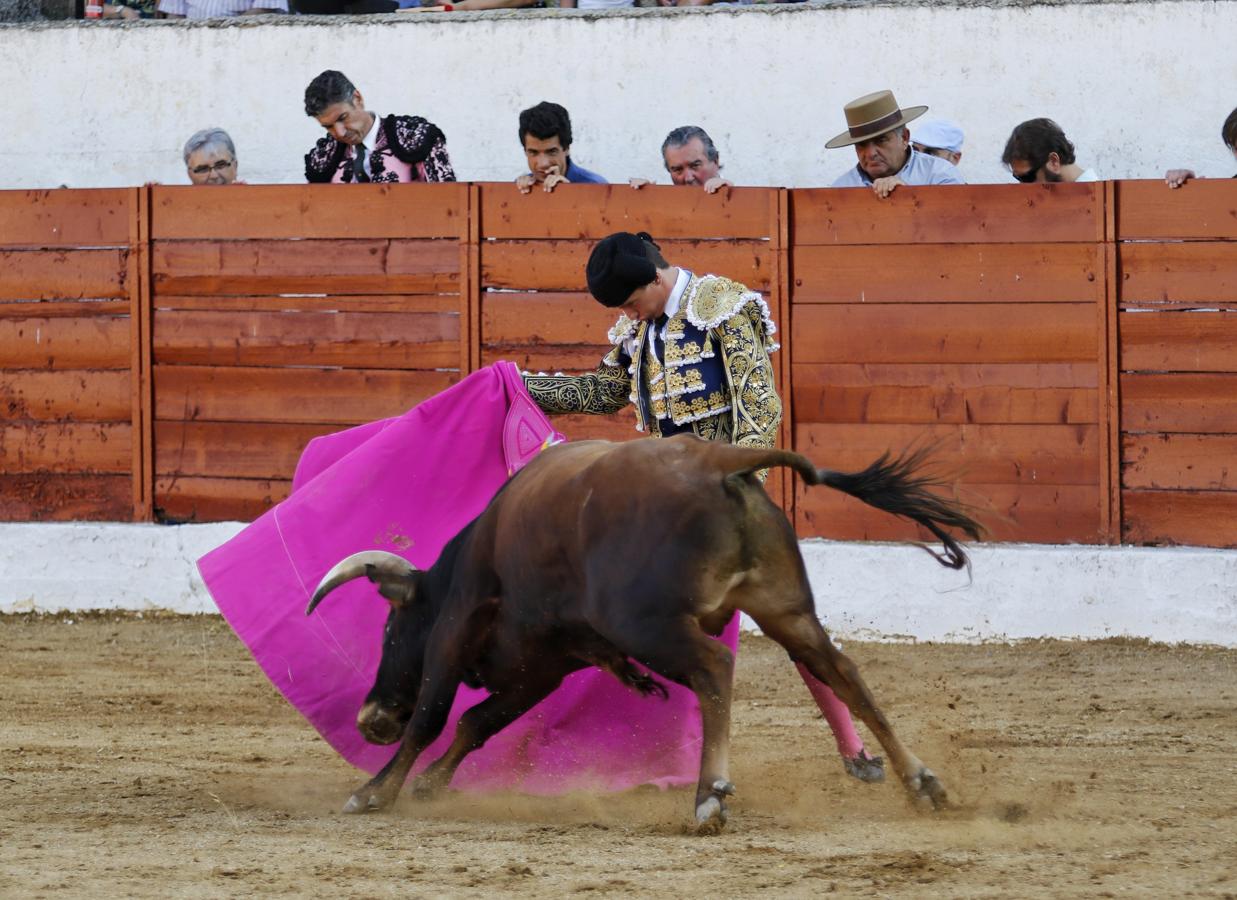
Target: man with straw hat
876 128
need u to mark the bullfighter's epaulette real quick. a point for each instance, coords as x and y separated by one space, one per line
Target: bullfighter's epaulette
622 330
714 299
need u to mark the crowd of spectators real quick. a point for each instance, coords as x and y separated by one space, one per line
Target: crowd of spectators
214 9
362 146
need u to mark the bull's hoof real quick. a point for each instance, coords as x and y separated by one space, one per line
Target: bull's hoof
711 812
927 791
866 768
365 801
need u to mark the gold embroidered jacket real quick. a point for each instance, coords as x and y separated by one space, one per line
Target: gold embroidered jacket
716 379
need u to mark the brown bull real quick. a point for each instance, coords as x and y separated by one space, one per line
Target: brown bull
598 554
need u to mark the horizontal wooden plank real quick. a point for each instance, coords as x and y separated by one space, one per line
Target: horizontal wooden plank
950 214
945 333
970 454
1178 341
352 340
559 265
65 218
1149 210
186 499
65 447
66 498
1204 273
305 267
569 358
1203 404
1179 461
232 449
309 211
934 393
547 317
307 395
77 396
373 303
1040 513
1195 518
95 342
958 273
590 212
62 274
63 309
621 426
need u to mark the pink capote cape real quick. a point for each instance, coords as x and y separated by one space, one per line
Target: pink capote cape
408 485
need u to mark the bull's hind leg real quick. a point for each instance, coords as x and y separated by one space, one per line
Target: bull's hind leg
679 651
808 643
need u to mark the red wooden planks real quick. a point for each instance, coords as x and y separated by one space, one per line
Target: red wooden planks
71 396
1189 403
1201 518
65 447
1205 462
950 273
298 211
307 395
1201 273
950 214
65 498
1149 210
922 333
232 449
62 274
65 343
1178 341
65 218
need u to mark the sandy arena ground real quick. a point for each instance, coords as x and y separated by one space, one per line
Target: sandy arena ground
151 758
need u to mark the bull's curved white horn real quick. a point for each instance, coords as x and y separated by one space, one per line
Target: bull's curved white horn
356 565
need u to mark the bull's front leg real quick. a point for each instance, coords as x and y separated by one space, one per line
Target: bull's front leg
433 706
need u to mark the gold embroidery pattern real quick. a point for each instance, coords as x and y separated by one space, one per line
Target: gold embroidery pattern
713 300
601 392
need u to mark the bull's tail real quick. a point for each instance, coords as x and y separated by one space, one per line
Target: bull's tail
895 485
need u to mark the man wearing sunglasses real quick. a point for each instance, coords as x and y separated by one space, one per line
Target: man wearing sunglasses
210 157
876 128
1039 152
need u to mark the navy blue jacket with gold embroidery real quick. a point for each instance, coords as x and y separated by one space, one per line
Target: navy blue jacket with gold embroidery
712 377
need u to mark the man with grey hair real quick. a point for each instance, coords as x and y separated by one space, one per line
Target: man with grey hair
210 157
691 157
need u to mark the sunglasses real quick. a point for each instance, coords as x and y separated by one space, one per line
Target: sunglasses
221 166
1028 177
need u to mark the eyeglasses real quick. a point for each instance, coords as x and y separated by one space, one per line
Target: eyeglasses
220 167
1028 177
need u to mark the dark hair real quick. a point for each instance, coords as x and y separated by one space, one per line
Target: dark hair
1229 130
1034 139
652 250
684 135
327 89
544 121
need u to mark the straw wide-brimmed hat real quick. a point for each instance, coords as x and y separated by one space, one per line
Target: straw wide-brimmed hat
871 116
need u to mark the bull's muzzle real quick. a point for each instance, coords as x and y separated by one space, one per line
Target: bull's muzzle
380 724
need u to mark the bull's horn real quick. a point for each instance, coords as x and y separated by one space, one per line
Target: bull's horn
358 564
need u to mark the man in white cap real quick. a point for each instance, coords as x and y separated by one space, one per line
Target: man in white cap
939 137
876 128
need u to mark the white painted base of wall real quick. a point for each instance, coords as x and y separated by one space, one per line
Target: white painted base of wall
867 591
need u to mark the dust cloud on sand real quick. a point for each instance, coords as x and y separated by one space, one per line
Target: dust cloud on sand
150 758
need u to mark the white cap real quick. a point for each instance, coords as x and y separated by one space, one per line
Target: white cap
939 134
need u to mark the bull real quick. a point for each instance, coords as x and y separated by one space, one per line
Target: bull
600 554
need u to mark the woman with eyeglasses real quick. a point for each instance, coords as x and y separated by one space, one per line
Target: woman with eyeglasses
210 157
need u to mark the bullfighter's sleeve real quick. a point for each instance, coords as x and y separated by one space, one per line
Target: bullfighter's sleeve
747 341
605 391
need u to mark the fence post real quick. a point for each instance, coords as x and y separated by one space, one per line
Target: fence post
1109 387
470 282
779 236
138 281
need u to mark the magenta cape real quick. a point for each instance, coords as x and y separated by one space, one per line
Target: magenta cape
408 485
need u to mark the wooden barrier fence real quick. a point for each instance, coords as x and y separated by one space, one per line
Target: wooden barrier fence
1070 350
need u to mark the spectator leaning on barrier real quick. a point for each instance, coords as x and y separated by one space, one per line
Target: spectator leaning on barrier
212 9
545 133
210 157
361 146
1228 133
939 137
876 127
1039 151
691 158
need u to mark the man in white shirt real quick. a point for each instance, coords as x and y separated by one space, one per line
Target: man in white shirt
1039 152
876 128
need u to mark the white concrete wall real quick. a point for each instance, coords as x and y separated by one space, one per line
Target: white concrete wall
869 591
1139 87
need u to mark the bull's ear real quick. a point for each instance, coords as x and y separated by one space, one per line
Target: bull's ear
399 589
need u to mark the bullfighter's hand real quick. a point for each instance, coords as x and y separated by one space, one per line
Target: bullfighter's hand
715 184
883 187
1175 178
525 183
638 183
